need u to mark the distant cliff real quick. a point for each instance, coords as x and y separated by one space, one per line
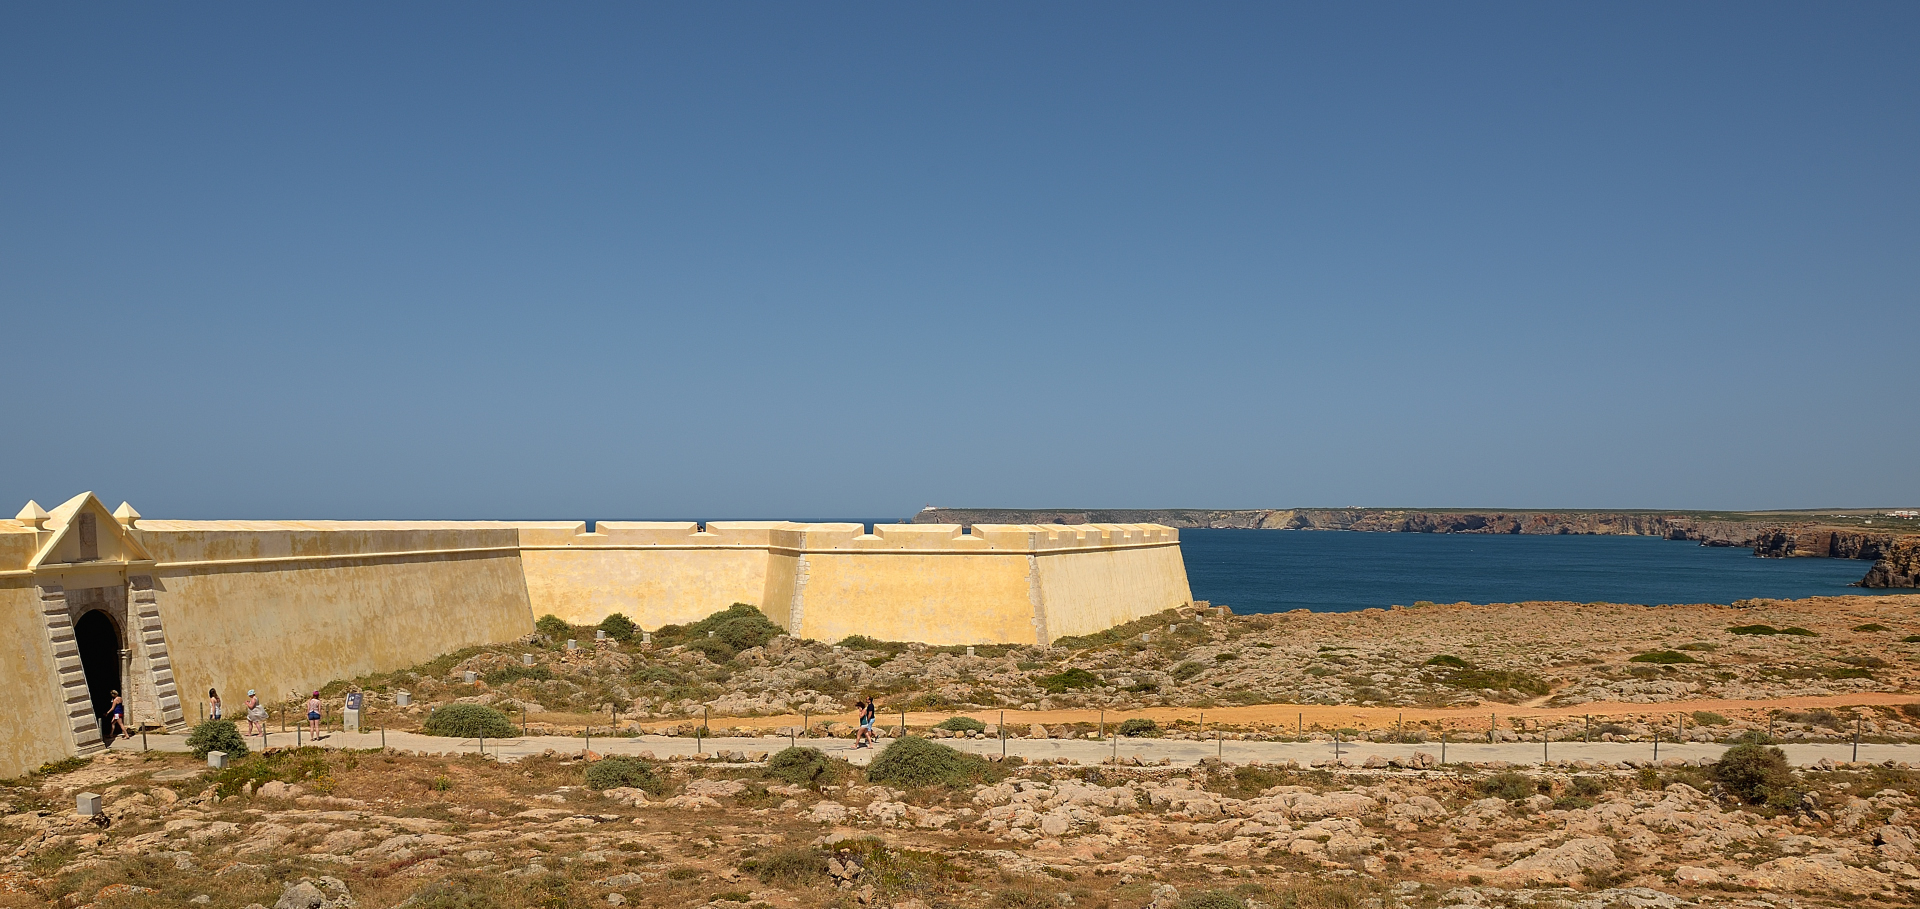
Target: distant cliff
1899 567
1768 535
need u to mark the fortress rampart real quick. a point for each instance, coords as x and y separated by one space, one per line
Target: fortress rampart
163 610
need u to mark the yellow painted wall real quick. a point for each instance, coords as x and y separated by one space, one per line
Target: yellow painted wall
33 722
655 573
1092 591
935 599
294 625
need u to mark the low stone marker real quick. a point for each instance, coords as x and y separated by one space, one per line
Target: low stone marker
599 634
969 651
215 759
573 644
402 698
87 803
349 720
526 659
469 676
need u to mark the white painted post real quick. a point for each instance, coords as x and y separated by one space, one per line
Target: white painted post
217 760
87 803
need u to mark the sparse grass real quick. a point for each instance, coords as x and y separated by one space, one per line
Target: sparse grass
1661 657
1871 626
1709 718
1139 726
1499 681
1448 660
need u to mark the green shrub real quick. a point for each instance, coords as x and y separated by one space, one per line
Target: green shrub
862 642
553 627
713 649
1663 657
1871 626
1071 678
961 724
911 762
217 735
619 627
1701 646
788 866
617 771
1756 774
1709 718
507 675
739 626
1226 657
1911 639
467 721
1139 726
1769 629
1511 785
1213 899
1187 670
808 767
1450 661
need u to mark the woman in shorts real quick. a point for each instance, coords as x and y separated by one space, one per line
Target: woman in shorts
313 715
256 714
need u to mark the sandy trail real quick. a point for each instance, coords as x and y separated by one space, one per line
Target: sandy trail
1288 716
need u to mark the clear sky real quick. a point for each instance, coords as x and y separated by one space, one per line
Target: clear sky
799 260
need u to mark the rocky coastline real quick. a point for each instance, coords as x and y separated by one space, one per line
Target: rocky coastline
1768 535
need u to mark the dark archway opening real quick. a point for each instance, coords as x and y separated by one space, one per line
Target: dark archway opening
99 643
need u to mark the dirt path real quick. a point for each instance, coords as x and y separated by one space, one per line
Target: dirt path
1274 716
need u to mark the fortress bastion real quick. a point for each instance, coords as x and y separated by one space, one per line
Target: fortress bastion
97 600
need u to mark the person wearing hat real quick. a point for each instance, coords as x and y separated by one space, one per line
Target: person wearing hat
256 715
313 715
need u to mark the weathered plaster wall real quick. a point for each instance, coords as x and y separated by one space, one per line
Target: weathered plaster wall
33 722
655 573
1086 592
289 608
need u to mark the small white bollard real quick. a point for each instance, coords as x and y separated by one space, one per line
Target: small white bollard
573 644
969 651
87 803
469 676
599 634
646 637
526 659
349 720
217 760
709 634
1146 637
402 698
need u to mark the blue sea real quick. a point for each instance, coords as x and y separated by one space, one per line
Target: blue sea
1332 571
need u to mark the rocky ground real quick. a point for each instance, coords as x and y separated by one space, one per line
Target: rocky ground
305 829
1502 656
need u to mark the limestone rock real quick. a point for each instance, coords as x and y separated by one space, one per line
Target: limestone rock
1567 862
325 893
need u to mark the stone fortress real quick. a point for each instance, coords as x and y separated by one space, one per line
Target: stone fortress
97 601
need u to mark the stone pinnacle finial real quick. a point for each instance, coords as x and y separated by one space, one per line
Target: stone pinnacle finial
33 515
125 515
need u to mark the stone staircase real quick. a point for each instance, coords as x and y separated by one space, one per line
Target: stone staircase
159 666
78 701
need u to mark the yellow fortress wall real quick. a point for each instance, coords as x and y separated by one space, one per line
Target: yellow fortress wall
176 607
285 607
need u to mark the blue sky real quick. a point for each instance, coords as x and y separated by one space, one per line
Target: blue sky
703 261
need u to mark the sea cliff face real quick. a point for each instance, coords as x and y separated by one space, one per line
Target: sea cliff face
1898 557
1899 567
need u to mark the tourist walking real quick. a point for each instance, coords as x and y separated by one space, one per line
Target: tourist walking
117 718
867 712
313 715
213 703
256 715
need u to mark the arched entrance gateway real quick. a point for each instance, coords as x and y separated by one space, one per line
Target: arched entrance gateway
98 603
100 645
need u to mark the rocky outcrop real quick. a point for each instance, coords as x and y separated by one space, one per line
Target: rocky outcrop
1899 566
1820 542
